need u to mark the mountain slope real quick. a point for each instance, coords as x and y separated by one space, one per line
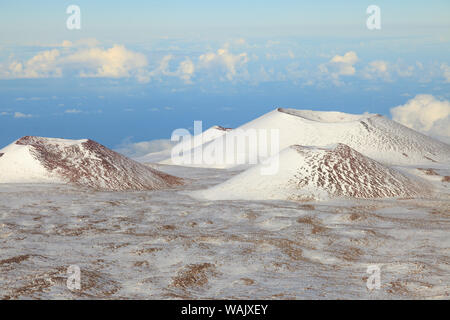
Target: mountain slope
370 134
307 173
81 162
164 156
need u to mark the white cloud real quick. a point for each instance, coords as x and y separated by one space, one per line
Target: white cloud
445 68
425 113
340 65
115 62
185 70
377 69
162 69
348 58
42 65
22 115
229 62
345 63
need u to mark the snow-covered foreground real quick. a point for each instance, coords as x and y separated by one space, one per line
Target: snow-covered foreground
166 244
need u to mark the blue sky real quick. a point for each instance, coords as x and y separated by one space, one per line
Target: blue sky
137 70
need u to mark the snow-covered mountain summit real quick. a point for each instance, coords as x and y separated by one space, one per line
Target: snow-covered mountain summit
81 162
196 141
312 173
373 135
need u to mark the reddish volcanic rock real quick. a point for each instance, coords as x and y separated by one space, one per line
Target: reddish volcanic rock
88 163
342 171
222 128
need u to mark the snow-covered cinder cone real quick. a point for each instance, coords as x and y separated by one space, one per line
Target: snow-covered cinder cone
80 162
373 135
188 145
313 173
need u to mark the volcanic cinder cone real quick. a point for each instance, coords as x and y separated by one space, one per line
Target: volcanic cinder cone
80 162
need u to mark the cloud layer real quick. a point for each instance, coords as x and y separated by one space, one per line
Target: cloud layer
223 58
425 113
115 62
233 61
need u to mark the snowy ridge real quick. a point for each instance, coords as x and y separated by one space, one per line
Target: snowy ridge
80 162
311 173
370 134
164 156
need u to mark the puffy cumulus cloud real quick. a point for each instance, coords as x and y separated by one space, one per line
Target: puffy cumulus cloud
163 67
344 64
377 69
185 70
87 60
425 113
340 66
380 69
115 62
349 58
223 58
42 65
379 66
139 149
445 68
